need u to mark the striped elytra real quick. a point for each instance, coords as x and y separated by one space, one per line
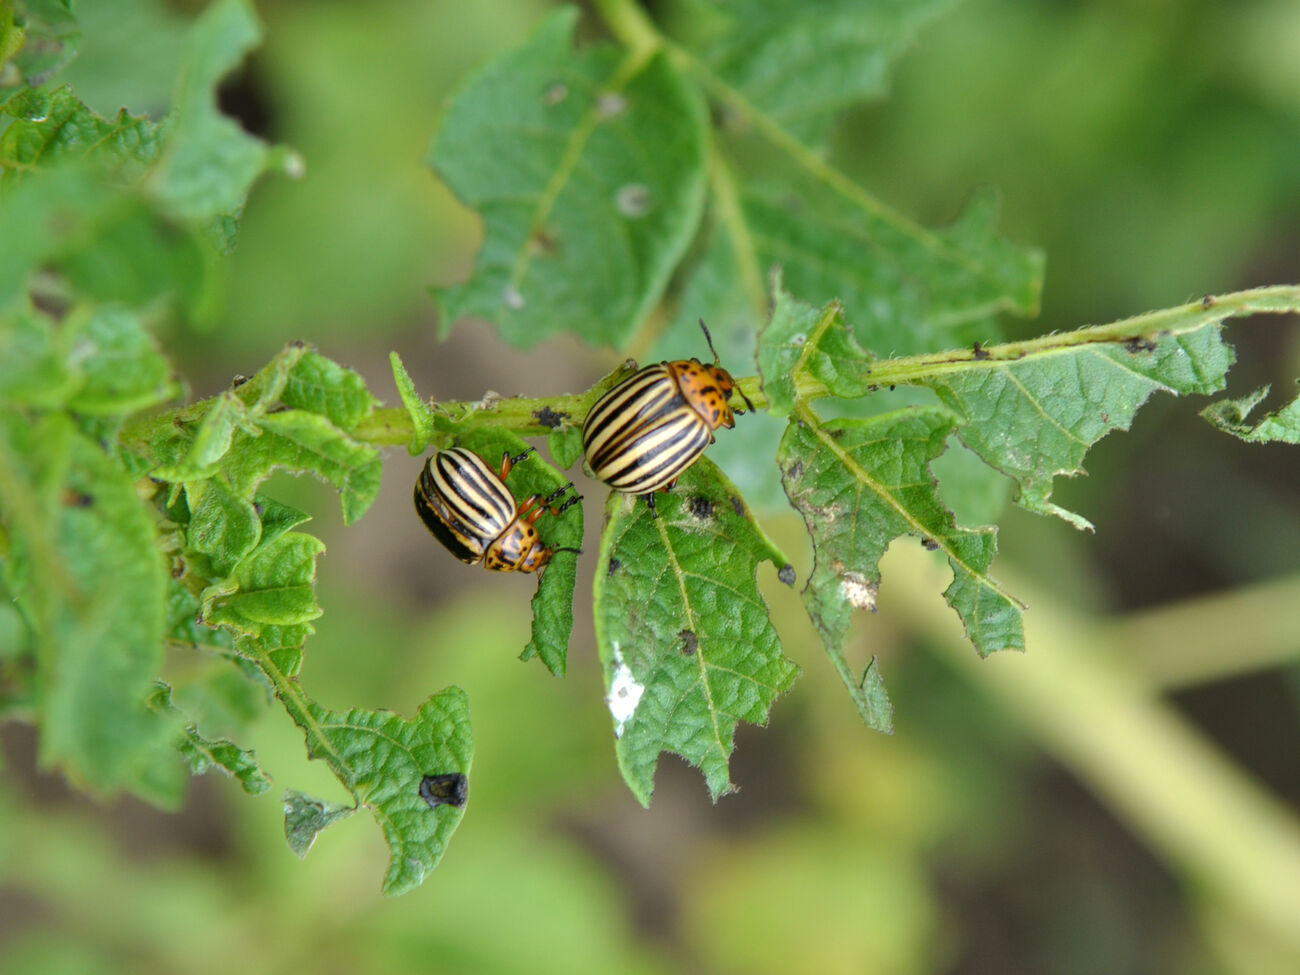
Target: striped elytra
467 506
641 435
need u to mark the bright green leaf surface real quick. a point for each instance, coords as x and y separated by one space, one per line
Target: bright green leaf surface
274 584
588 170
202 754
52 125
1035 416
565 445
320 385
800 341
223 526
382 758
295 440
684 637
1230 415
552 605
859 484
91 582
801 64
422 422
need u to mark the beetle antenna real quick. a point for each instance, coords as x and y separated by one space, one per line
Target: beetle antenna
745 398
709 338
576 551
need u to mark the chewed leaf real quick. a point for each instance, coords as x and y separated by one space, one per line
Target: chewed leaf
1036 415
1229 415
273 585
801 64
383 760
552 605
799 341
305 816
320 385
584 236
202 754
684 636
859 484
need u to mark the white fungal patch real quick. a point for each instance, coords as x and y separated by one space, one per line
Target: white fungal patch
633 200
511 298
859 593
610 105
624 693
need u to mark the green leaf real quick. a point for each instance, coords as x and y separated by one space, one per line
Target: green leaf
422 421
552 605
588 170
209 162
86 573
320 385
203 754
197 457
305 816
799 341
295 440
684 637
905 289
223 526
33 363
801 64
859 484
383 758
565 445
47 38
122 369
1281 426
273 585
1034 415
52 126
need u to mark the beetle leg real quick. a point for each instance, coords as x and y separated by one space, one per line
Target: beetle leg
650 500
508 462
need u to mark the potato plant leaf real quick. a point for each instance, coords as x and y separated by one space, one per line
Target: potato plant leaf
1033 415
588 170
306 816
683 634
1230 416
552 605
801 64
383 758
859 484
422 420
202 754
87 576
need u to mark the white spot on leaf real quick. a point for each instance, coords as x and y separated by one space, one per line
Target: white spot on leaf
609 105
511 298
624 693
633 200
859 593
557 93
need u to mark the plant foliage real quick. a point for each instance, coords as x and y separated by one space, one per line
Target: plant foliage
614 178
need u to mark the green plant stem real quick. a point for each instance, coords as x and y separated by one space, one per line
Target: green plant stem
1212 637
1175 789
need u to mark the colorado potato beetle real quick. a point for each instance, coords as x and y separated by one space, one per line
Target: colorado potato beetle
467 506
644 432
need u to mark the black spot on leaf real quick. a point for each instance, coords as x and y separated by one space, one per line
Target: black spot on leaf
786 574
930 544
613 565
737 506
690 642
699 507
795 470
450 789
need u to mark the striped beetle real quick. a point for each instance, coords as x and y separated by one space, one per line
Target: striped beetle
467 506
644 432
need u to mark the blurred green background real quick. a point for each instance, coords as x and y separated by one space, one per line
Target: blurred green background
1121 799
